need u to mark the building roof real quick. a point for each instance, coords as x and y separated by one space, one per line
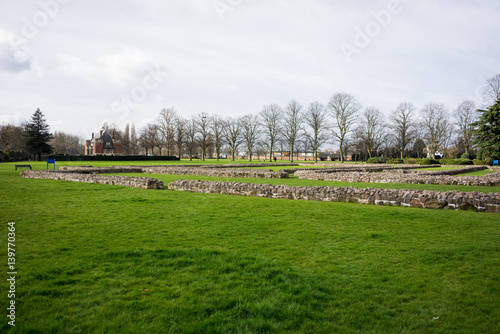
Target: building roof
107 140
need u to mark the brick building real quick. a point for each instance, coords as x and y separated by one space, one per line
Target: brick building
103 144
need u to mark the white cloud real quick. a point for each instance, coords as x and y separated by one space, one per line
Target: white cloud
264 51
13 55
118 68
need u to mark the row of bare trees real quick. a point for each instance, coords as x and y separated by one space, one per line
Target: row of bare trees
342 121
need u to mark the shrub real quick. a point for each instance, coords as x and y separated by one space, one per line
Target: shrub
427 162
463 161
411 161
448 162
479 162
465 156
395 161
374 160
456 162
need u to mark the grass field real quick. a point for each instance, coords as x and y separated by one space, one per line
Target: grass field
478 173
110 259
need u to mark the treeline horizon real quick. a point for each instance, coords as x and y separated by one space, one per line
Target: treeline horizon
359 132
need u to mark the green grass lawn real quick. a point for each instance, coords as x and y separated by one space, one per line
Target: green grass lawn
110 259
478 173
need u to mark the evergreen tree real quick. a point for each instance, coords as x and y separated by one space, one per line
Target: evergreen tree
38 135
487 131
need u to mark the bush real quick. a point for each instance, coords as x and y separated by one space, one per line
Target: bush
374 160
427 162
448 162
463 161
465 156
8 156
395 161
411 161
479 162
456 162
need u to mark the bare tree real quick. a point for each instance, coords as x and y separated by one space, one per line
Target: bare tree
448 130
403 125
232 135
293 120
166 126
344 108
64 143
271 116
203 128
12 137
316 118
149 138
180 133
126 140
466 115
217 126
190 141
491 89
133 140
250 131
372 130
434 122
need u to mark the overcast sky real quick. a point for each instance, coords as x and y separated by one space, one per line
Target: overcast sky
84 63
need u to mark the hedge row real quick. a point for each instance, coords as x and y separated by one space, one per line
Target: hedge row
113 158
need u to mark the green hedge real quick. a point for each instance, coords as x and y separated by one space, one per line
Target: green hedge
456 162
427 162
112 158
395 161
10 156
374 160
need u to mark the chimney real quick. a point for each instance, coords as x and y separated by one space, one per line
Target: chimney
92 135
113 136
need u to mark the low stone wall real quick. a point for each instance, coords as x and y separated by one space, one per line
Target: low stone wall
411 198
178 170
218 172
415 177
134 182
101 170
363 166
372 168
265 164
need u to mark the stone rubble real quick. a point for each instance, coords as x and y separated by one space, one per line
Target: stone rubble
489 202
443 177
134 182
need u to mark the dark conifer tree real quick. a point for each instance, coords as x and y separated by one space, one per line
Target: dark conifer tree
38 135
487 132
